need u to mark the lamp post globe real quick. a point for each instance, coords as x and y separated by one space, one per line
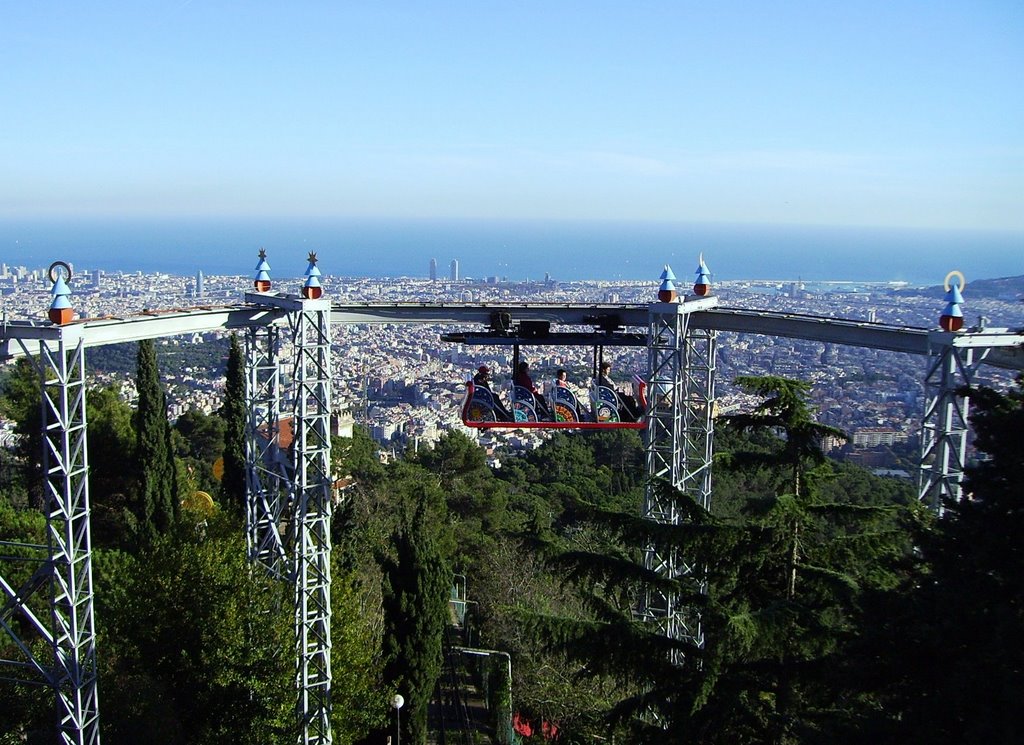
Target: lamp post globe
397 701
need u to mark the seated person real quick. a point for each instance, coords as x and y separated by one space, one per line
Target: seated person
523 379
628 409
561 393
482 379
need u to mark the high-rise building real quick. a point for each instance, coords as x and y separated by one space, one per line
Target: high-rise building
455 270
200 289
433 270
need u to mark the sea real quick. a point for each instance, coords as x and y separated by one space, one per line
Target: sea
512 249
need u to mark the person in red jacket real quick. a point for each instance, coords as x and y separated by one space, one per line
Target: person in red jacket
522 378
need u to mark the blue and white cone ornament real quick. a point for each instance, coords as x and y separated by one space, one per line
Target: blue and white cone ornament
262 280
702 285
952 318
667 291
60 311
312 289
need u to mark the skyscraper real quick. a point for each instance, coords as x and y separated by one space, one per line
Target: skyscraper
455 270
200 290
433 270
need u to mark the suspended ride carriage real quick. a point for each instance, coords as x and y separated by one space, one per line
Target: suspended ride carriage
482 407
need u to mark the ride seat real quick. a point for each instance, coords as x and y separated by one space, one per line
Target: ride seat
524 404
565 405
605 403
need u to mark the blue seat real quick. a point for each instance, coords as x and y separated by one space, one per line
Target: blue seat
524 406
565 405
605 403
479 405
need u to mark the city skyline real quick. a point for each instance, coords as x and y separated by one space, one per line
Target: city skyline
876 114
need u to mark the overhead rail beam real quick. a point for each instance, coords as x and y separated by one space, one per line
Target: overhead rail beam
1007 345
97 332
556 339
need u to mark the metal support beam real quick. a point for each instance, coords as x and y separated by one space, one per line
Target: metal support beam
953 363
67 570
700 357
290 484
267 464
311 497
681 391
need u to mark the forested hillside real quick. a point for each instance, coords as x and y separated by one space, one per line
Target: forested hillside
833 608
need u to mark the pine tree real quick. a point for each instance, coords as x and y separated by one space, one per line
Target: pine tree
156 503
782 584
234 413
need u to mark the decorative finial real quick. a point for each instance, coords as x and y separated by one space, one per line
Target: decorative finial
702 285
262 280
952 318
667 292
312 289
61 311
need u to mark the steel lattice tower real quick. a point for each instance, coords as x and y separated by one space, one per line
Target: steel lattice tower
311 497
293 491
67 570
953 363
681 391
66 464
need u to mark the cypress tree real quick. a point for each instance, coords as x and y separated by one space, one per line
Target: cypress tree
416 588
233 482
156 502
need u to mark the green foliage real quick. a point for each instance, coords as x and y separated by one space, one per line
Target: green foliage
947 657
417 584
235 416
21 402
783 572
112 478
196 646
24 712
199 442
178 358
357 456
476 502
155 505
358 705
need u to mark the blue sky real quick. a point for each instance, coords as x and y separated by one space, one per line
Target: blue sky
855 113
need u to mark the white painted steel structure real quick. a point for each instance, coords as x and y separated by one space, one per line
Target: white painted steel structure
69 629
289 486
677 442
953 362
292 492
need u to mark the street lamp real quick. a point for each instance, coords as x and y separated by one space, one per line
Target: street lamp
398 702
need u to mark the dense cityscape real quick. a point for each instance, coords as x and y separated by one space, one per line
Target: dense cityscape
406 385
